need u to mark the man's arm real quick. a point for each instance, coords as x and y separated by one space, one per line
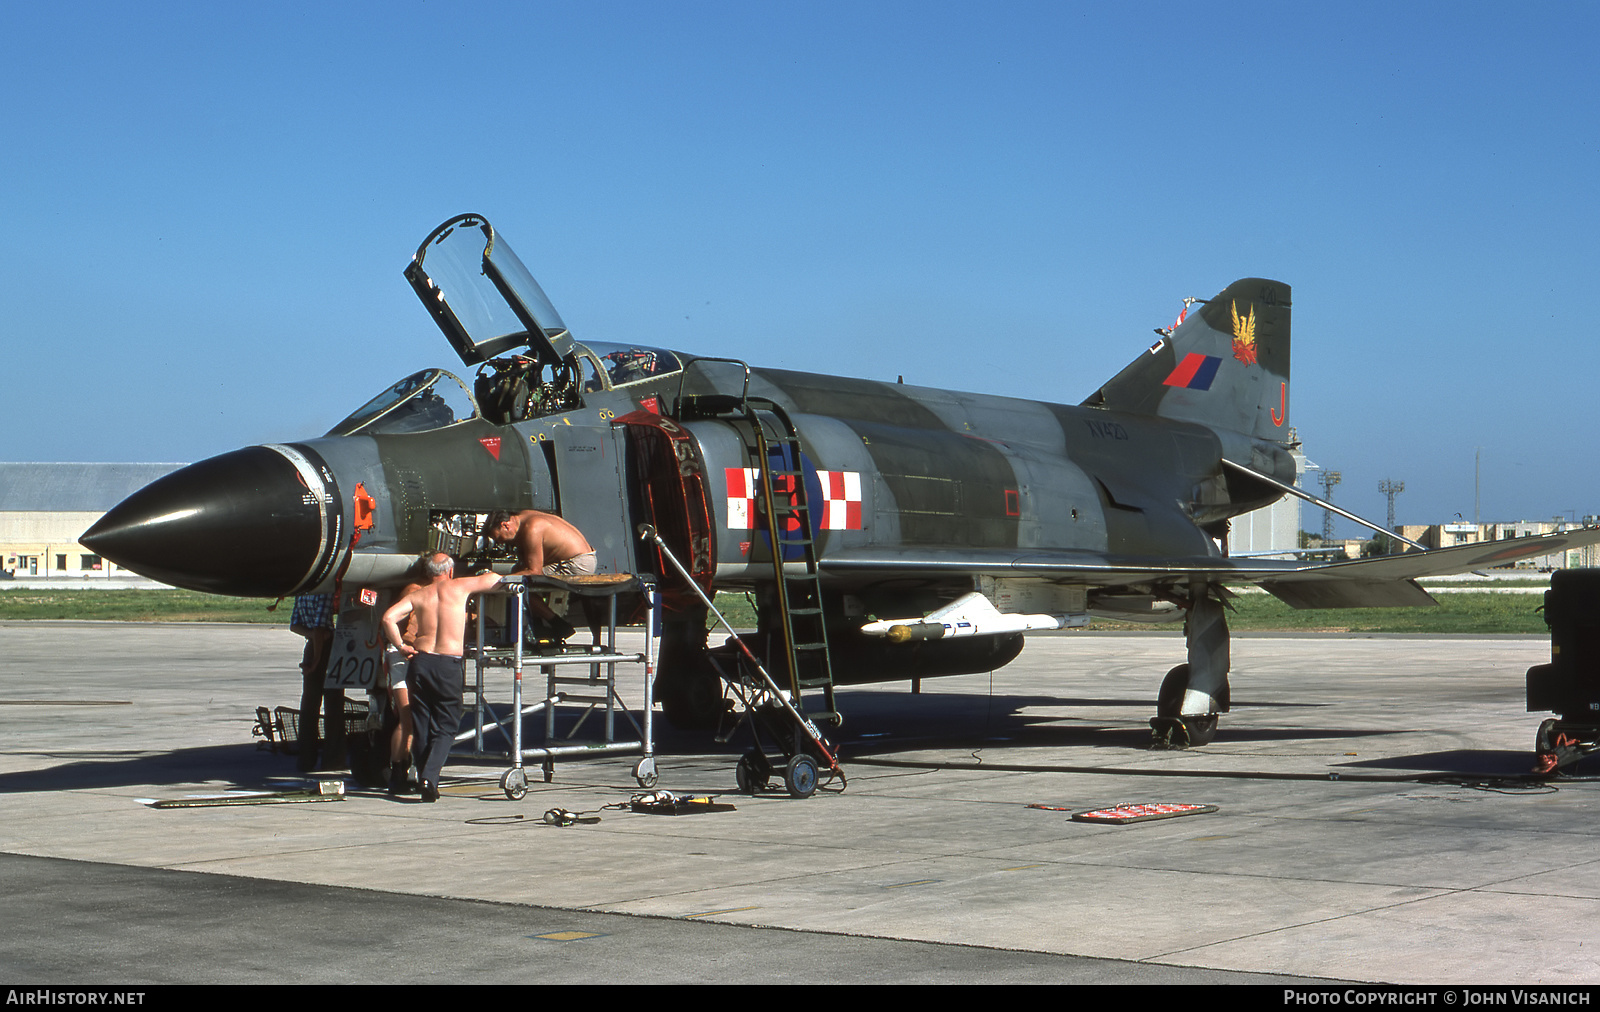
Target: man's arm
408 634
391 625
482 582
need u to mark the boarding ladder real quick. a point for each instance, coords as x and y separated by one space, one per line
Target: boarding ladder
791 526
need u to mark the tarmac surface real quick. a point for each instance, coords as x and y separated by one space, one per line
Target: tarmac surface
1372 825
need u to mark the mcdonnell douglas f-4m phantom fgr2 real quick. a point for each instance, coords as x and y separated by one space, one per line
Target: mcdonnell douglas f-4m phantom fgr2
886 531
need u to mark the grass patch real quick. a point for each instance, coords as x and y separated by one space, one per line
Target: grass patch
738 609
139 606
1456 613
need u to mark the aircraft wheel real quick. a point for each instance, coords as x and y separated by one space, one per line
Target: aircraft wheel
1169 698
1182 732
693 702
746 778
801 776
1200 729
515 783
751 772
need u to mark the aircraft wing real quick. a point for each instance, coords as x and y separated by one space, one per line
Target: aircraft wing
1385 582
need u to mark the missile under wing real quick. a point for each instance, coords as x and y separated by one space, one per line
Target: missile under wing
862 516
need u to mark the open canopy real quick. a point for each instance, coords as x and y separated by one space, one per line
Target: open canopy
482 297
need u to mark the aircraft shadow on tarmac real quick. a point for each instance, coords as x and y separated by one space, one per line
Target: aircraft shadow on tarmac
213 769
240 765
881 723
878 723
1472 762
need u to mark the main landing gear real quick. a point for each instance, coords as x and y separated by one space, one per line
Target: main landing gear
689 685
1194 694
1170 728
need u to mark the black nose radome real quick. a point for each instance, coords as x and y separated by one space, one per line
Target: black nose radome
257 522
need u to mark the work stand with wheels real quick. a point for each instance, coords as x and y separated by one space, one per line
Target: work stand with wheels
567 687
780 747
804 756
786 740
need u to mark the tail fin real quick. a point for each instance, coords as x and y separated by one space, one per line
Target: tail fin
1226 366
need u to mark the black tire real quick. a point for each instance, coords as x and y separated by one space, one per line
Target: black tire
1200 729
692 703
745 775
801 776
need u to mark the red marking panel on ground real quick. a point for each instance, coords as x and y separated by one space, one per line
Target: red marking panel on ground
1121 815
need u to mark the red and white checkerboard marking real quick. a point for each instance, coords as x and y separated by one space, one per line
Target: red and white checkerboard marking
841 499
741 498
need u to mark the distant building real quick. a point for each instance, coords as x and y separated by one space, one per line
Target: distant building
45 508
1272 530
1276 529
1450 535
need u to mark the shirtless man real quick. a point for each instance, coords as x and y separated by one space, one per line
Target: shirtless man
396 663
436 673
546 545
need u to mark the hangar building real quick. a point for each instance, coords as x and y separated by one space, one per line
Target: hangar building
45 508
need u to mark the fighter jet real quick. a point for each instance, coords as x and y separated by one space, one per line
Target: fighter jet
885 531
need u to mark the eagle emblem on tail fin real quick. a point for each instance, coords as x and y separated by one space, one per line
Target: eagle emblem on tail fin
1244 335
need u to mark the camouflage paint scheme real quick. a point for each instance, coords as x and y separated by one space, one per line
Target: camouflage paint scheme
1118 505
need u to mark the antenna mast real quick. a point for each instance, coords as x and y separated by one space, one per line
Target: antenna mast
1391 489
1328 479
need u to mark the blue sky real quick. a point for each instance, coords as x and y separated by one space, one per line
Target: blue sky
208 207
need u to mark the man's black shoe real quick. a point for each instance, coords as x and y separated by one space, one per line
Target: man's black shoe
429 793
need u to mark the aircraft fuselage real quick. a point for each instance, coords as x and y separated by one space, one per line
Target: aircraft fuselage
899 498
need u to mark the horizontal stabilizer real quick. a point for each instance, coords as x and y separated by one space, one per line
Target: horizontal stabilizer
1349 593
1445 561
